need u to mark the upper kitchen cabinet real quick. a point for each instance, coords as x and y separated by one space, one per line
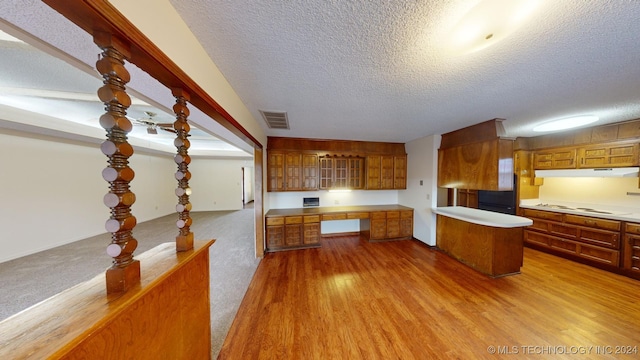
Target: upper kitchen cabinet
291 171
311 164
386 172
608 155
564 158
476 158
605 146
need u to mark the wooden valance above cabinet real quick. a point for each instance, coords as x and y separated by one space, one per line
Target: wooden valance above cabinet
477 158
296 164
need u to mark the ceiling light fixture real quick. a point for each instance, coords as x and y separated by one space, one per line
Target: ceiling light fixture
489 22
566 123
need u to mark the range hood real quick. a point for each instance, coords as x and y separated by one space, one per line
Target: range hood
604 172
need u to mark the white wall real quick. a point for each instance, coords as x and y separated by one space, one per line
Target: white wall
52 190
288 200
610 192
216 184
422 165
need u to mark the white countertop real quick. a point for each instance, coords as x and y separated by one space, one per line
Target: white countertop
482 217
604 212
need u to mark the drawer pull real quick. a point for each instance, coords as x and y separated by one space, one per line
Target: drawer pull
590 222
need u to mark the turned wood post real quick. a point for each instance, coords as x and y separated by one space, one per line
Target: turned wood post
125 271
184 240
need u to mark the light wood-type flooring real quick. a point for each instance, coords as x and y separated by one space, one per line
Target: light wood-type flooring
351 299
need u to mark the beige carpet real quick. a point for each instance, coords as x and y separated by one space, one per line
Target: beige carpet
31 279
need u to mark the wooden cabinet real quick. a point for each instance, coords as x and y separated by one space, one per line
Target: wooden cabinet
300 228
386 225
608 155
406 223
593 240
311 229
275 171
275 232
631 250
604 155
563 158
467 198
378 225
309 172
400 172
386 172
295 164
292 171
341 172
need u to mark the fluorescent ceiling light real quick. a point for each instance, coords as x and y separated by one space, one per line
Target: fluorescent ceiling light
489 22
566 123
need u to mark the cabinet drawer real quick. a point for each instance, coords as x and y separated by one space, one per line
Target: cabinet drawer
379 215
293 220
393 214
592 222
536 238
563 230
632 228
604 238
547 215
342 216
611 257
540 225
275 221
406 214
358 215
311 219
567 246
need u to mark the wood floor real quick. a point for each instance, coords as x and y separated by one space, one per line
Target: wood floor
351 299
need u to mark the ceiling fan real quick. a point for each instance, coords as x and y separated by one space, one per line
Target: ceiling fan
152 125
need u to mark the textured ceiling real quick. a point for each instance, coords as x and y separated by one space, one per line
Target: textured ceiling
379 70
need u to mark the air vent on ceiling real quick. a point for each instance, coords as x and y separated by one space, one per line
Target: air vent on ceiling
276 120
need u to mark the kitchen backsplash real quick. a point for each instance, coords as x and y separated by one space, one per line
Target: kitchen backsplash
605 191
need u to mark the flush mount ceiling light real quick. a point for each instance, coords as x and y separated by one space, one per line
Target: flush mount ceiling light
489 22
566 123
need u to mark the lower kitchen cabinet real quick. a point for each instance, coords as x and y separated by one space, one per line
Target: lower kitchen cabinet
593 240
631 250
298 229
311 230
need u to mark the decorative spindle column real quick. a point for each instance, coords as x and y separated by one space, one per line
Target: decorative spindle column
125 271
184 240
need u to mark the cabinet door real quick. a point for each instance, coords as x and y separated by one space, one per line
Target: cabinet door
378 225
275 232
309 172
293 231
311 233
386 172
400 172
631 249
406 223
340 173
555 159
326 172
373 172
275 171
356 173
293 171
393 224
611 155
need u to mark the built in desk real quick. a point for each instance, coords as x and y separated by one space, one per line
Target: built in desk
298 228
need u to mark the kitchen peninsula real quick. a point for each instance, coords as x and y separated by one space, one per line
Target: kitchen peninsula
299 228
487 241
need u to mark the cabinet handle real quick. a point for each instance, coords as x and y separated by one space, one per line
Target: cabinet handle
590 222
